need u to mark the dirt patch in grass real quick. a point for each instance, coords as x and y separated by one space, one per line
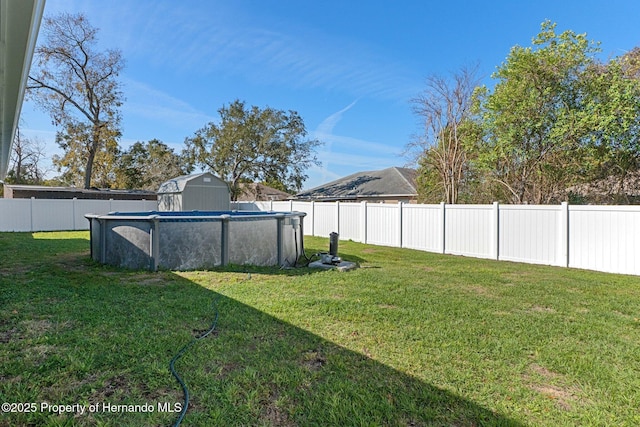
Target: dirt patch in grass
502 313
116 385
540 309
478 290
9 335
162 394
274 415
37 327
39 353
148 279
34 328
553 386
314 360
559 395
223 371
370 251
12 271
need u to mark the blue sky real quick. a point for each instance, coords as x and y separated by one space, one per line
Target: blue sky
349 68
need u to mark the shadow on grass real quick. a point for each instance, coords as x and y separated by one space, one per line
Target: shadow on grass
76 332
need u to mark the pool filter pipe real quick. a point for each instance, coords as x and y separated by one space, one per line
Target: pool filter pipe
333 244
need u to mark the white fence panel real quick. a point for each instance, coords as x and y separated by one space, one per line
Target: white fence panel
469 230
422 227
307 208
52 215
85 206
350 219
15 214
383 224
301 207
132 205
325 219
61 214
530 233
605 238
280 206
245 206
263 206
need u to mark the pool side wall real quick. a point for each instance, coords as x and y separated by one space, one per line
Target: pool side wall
194 242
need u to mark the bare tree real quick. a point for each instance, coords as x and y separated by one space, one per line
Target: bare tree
445 110
26 160
76 84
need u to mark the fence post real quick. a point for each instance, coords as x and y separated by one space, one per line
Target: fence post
563 239
31 213
400 219
495 223
337 216
313 218
443 223
73 212
363 221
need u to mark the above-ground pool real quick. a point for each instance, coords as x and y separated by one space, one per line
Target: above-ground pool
196 240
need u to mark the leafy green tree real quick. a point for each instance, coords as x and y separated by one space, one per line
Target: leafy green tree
147 165
533 118
76 140
78 86
612 114
257 145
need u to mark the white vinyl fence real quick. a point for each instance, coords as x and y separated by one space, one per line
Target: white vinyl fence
603 238
61 214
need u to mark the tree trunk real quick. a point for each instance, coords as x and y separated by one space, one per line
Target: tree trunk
95 143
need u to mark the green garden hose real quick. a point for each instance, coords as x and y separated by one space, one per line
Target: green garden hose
185 390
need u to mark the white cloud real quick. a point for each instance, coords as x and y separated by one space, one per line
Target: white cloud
154 104
343 153
214 38
326 127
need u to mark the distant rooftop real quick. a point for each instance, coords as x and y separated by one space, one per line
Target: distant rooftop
259 192
14 191
393 183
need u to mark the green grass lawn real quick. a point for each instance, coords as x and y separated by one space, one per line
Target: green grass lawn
409 339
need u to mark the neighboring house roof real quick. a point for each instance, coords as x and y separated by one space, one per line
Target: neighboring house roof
19 25
253 192
390 183
609 190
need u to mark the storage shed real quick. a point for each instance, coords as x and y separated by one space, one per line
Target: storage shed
198 192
